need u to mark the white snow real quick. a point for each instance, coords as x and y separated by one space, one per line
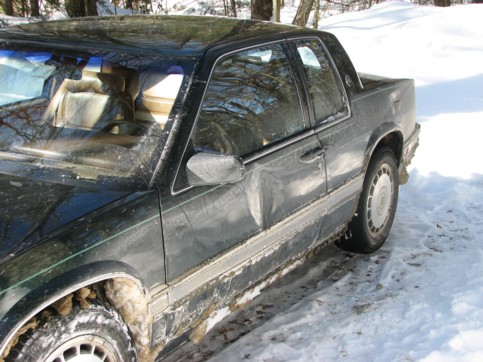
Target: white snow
420 298
217 316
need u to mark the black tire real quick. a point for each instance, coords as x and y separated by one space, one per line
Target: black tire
370 226
93 334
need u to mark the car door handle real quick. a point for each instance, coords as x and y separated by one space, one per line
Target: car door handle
312 155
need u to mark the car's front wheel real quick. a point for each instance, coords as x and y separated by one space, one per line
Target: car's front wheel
370 226
94 334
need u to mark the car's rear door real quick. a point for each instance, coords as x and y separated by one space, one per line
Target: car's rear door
342 140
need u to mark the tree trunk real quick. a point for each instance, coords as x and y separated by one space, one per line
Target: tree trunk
75 8
8 7
80 8
315 24
276 11
91 7
34 8
128 4
303 12
233 7
262 9
225 8
443 3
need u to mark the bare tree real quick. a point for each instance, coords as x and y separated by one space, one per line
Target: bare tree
315 23
34 8
8 7
75 8
276 10
91 7
303 12
80 8
262 9
443 3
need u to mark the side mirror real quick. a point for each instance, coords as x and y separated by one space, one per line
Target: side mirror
205 169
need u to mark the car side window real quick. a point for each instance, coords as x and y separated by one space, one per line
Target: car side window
251 101
324 87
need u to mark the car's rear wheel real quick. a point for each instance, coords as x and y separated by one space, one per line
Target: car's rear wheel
94 334
370 226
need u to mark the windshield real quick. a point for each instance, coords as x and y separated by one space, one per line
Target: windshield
94 114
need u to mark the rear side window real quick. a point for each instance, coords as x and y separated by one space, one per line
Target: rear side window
325 90
251 101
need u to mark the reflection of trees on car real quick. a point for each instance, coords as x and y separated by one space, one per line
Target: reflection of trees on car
20 123
245 102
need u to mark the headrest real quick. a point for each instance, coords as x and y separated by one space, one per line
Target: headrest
131 78
163 86
103 83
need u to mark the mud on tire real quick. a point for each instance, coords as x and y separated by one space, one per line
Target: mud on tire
94 334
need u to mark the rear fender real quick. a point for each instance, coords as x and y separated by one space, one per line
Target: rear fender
387 134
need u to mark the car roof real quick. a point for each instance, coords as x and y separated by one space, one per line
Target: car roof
175 35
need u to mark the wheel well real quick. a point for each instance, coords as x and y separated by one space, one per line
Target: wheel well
121 293
395 142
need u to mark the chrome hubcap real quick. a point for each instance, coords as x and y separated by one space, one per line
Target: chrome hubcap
379 202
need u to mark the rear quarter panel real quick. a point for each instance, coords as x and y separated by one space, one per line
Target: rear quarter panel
388 107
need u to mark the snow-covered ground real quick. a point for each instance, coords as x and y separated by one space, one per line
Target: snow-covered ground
420 298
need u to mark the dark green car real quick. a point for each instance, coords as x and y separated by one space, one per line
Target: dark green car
155 170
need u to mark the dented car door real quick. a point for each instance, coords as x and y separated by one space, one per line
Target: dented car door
252 109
